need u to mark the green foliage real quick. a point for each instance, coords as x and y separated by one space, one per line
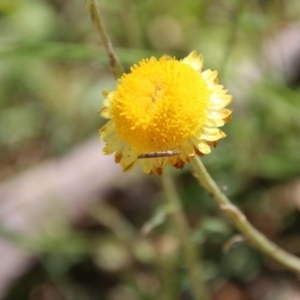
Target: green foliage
241 262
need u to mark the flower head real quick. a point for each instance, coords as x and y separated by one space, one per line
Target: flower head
164 112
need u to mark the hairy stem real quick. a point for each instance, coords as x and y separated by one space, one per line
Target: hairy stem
254 237
96 17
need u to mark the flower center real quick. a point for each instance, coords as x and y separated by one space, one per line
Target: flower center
160 104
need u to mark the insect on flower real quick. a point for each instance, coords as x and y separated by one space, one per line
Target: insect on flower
167 153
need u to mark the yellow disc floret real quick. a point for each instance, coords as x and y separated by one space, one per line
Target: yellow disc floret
159 104
164 112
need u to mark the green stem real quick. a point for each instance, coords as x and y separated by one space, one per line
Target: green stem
96 17
255 238
184 234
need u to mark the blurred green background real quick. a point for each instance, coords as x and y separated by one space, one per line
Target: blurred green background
52 74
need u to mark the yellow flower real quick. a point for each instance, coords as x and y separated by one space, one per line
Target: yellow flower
164 112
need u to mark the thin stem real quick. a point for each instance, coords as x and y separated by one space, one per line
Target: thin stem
255 238
96 17
184 234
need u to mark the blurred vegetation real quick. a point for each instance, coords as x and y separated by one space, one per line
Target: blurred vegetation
52 74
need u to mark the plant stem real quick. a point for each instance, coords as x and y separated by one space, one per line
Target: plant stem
184 234
255 238
96 17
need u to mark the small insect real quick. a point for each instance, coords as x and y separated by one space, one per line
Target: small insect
159 154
